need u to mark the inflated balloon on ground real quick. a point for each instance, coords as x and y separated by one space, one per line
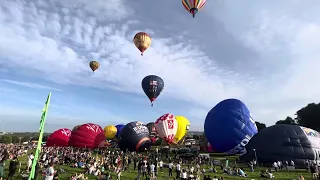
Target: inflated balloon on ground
59 138
229 127
134 137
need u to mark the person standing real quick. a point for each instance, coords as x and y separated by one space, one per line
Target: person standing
30 159
13 167
170 166
50 172
2 164
178 170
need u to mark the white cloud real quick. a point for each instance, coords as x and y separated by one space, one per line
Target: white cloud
29 85
56 43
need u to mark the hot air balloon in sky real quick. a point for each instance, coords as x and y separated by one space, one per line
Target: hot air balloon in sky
183 127
229 127
193 6
94 65
119 129
152 86
142 41
110 131
59 138
87 136
166 127
134 137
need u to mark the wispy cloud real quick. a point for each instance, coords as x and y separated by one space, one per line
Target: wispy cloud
29 85
55 40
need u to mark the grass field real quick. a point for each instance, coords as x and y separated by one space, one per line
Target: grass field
131 175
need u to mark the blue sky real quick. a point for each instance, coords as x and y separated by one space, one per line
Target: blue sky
265 53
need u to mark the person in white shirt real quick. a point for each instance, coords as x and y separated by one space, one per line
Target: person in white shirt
178 170
30 159
50 172
152 166
161 166
184 175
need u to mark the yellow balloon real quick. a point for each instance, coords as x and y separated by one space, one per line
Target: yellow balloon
183 127
110 131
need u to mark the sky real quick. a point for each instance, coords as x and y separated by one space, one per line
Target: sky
265 53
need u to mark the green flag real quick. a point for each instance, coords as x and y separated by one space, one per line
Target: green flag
42 122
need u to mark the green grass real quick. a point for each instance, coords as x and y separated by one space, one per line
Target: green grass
131 175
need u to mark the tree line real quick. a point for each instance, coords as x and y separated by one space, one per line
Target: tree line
308 116
21 137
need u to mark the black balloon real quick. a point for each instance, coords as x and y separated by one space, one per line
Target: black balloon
134 137
152 86
151 128
283 142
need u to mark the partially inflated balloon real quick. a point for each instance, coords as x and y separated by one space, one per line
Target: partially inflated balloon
94 65
142 41
134 137
87 136
166 127
59 138
119 129
229 126
183 127
152 86
110 131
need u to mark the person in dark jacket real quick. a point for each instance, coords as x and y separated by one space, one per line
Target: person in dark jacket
13 167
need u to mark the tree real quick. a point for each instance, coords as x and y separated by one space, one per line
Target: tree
288 120
309 116
260 126
6 139
196 137
15 139
25 139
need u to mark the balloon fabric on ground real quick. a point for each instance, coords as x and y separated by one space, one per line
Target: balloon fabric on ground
284 142
229 126
59 138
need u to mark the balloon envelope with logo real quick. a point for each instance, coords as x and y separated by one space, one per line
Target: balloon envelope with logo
284 142
229 126
134 137
59 138
87 136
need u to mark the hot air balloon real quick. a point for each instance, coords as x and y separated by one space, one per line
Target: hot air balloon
152 86
110 131
193 6
59 138
87 136
76 127
229 126
134 137
119 129
166 127
183 127
151 128
284 142
142 41
94 65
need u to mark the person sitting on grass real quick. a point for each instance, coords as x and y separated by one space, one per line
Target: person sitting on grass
241 173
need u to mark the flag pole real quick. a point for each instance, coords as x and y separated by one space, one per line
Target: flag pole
33 172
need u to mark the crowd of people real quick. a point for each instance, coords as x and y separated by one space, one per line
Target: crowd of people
110 164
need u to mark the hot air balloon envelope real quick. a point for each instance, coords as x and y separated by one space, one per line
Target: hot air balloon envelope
87 136
94 65
166 127
110 131
284 142
142 41
119 129
152 86
229 127
183 127
134 137
193 6
59 138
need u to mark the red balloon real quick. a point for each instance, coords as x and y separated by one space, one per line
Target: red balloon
88 136
59 138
